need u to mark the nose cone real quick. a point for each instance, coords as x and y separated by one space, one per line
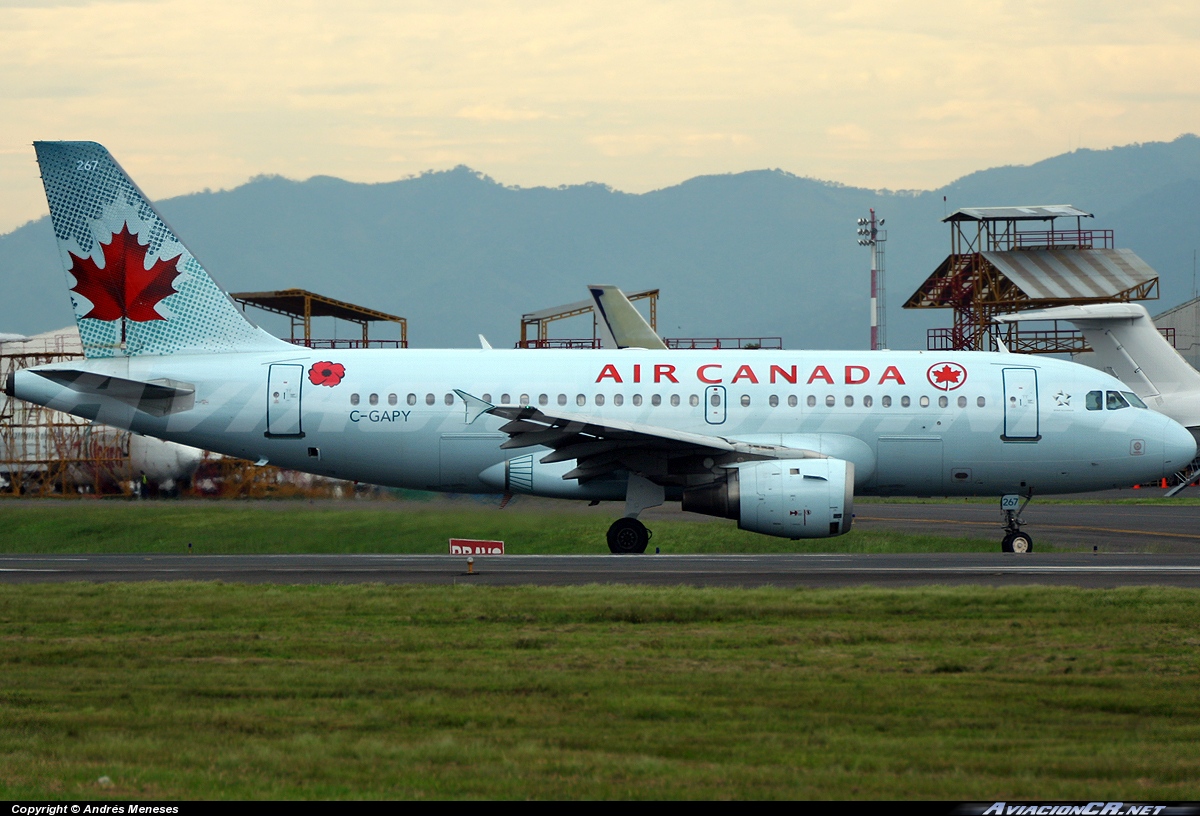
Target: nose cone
1179 447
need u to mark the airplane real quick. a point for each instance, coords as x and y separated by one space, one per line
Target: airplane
781 441
1129 346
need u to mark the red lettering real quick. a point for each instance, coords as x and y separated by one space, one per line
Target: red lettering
700 375
609 372
891 373
820 373
777 370
662 370
745 373
857 375
637 372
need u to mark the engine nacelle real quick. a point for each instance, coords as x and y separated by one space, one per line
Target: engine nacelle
790 498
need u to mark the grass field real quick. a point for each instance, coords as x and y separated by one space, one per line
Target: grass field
210 690
389 527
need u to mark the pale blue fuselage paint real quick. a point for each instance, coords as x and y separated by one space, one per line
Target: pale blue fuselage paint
921 449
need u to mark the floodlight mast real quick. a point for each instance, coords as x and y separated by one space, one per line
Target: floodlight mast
871 235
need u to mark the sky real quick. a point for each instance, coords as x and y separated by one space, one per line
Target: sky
638 95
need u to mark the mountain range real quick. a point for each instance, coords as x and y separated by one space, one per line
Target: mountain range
758 253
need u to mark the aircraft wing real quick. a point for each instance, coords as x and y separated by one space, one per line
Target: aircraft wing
601 445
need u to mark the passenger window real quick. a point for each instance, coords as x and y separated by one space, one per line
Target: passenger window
392 399
429 399
354 399
656 400
524 400
849 401
943 402
715 400
448 399
1093 400
562 399
693 400
412 398
674 400
792 401
1115 401
618 399
812 401
599 399
773 401
637 399
504 399
543 399
1134 399
829 401
905 402
580 400
745 400
886 402
868 401
924 402
962 402
981 402
373 399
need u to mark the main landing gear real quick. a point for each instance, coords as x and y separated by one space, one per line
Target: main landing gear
1014 540
628 536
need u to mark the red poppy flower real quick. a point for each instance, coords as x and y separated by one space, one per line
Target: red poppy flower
326 374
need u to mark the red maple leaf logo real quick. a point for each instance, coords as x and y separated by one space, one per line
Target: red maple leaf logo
946 376
124 287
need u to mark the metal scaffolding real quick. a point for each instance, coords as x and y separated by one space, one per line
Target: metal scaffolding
997 265
301 306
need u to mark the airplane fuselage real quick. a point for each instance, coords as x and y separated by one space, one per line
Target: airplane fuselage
913 423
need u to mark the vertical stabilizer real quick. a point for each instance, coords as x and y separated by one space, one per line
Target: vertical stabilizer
624 323
135 288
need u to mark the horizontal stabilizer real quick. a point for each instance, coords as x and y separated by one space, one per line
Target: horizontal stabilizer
154 397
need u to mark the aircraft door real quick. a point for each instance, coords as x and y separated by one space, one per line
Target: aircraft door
714 404
284 383
1021 405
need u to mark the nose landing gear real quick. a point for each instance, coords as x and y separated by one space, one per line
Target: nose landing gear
1014 540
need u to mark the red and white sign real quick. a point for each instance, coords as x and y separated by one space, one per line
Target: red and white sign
474 546
946 376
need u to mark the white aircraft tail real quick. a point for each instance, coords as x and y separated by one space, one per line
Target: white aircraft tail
135 288
621 322
1129 346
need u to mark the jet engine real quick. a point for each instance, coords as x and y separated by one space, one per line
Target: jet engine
789 498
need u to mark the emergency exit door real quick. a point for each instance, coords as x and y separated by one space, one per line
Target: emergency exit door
284 384
714 404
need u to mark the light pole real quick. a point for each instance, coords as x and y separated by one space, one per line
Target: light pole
870 234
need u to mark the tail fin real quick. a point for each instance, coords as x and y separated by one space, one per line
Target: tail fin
135 288
625 326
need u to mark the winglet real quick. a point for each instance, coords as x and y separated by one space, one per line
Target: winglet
624 322
484 344
475 406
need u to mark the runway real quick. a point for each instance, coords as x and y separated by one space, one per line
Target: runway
1110 527
986 569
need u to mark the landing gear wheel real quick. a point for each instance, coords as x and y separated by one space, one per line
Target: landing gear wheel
1017 543
628 536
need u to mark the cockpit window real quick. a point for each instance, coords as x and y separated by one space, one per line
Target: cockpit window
1134 399
1095 400
1115 401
